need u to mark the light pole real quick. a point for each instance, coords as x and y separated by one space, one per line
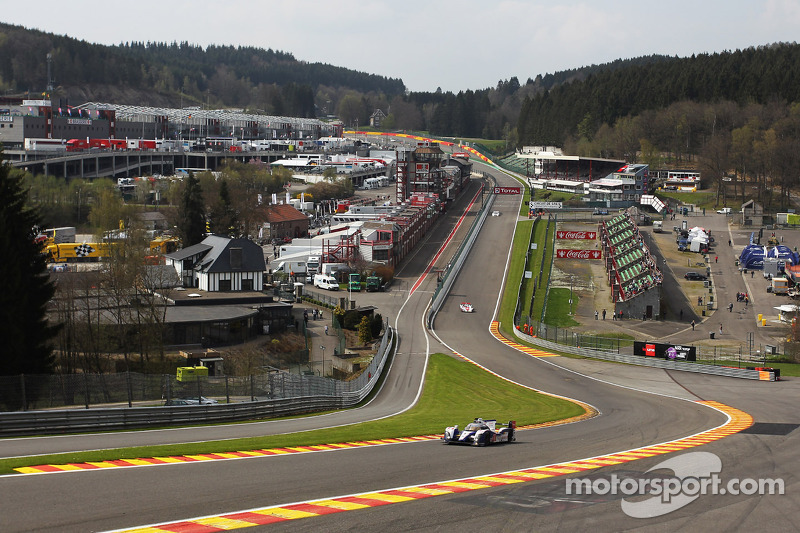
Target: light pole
322 347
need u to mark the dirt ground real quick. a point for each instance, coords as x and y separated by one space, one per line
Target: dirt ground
589 280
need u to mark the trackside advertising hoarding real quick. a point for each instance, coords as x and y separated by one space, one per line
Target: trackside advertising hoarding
578 254
576 235
507 190
673 352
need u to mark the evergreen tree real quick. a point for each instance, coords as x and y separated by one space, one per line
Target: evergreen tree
27 288
192 213
223 216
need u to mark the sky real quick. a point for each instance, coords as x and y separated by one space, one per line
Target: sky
455 46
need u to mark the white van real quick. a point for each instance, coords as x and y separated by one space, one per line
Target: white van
323 281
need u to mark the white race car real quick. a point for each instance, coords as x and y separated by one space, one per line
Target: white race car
466 307
480 433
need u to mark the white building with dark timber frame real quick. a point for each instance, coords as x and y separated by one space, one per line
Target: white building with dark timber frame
220 264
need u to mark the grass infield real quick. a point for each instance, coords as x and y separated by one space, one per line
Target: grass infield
455 392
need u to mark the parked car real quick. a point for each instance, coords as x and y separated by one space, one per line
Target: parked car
191 401
725 211
695 276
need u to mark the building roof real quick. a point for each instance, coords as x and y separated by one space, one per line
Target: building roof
152 215
189 251
284 213
231 255
219 253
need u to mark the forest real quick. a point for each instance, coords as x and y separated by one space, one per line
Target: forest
731 112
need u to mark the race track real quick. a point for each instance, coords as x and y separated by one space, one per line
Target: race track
637 407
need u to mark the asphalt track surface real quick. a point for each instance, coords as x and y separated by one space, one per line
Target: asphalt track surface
629 418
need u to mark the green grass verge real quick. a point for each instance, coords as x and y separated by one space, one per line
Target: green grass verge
443 403
544 240
515 271
787 369
559 310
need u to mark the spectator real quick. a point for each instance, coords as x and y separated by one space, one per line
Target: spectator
692 325
604 314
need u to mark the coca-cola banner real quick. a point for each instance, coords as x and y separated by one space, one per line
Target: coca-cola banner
576 235
579 254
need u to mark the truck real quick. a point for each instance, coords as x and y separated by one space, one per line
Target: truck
57 235
354 282
325 281
779 286
191 373
657 226
166 244
312 265
331 268
46 145
292 267
74 252
373 283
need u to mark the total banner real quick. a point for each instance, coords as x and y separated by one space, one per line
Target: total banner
507 190
673 352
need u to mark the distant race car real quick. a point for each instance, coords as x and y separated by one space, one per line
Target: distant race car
480 433
466 307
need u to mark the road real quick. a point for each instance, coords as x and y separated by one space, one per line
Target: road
629 418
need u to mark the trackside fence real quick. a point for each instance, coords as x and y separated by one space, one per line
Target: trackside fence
608 349
253 397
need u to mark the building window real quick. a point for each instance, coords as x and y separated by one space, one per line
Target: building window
236 258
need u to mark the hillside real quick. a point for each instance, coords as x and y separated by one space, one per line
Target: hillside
175 73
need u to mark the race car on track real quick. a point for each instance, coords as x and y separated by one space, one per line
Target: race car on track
480 433
466 307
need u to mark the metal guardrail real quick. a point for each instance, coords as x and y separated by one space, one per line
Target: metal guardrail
699 368
343 395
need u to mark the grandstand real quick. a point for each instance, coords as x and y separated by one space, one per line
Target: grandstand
632 271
